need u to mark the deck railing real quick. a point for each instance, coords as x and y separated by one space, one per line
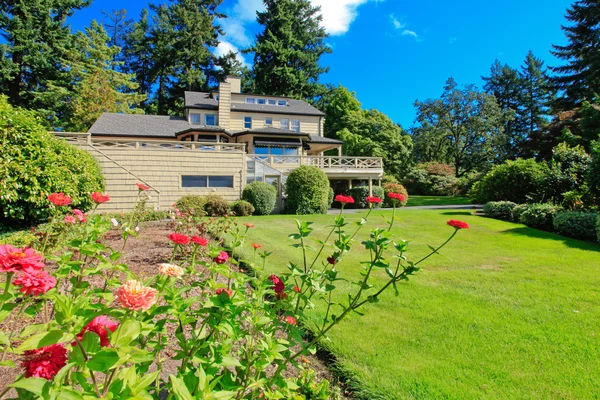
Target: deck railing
323 162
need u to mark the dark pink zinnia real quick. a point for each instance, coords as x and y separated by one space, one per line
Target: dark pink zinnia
100 326
13 259
44 362
221 258
35 282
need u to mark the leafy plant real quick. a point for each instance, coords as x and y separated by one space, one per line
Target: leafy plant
539 216
307 190
361 193
577 224
242 208
191 204
394 188
262 196
216 206
499 209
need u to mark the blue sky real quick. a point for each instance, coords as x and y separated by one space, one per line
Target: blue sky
393 52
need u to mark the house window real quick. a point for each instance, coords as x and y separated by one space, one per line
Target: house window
272 102
284 124
290 151
268 121
210 119
195 118
247 122
220 181
250 100
193 181
296 125
261 101
281 102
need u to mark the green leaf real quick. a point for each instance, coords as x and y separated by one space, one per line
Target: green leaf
44 339
144 382
33 385
221 395
180 391
68 394
229 361
103 360
127 332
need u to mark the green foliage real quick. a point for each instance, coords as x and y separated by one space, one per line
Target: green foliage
338 103
499 209
419 181
539 216
307 190
577 224
262 196
519 181
34 164
393 187
216 206
593 175
466 182
517 211
361 193
192 204
242 208
568 170
330 197
141 215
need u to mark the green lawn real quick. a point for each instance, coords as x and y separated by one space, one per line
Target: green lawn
507 312
437 200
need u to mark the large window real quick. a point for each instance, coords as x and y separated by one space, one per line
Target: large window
195 118
276 151
248 122
210 119
296 125
203 181
284 123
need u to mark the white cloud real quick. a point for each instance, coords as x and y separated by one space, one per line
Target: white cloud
396 22
235 31
338 15
225 47
408 32
452 40
246 9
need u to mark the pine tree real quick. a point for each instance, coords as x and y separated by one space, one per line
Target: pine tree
137 52
117 26
579 78
288 50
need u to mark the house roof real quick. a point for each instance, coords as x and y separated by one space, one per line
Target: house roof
322 139
203 100
158 126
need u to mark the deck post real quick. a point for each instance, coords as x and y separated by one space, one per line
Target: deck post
370 186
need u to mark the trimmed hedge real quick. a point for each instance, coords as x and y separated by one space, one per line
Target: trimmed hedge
361 193
307 190
192 204
539 216
394 188
242 208
576 224
216 206
499 209
262 196
517 211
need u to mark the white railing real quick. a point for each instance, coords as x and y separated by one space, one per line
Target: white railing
103 143
323 162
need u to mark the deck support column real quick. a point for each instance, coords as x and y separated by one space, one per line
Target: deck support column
339 149
370 186
349 183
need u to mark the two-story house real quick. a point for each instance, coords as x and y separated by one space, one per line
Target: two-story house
225 140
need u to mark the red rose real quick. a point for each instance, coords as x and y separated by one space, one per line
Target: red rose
99 198
179 238
458 224
60 199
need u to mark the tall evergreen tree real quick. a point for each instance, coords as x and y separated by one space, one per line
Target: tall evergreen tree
579 78
117 26
137 52
288 50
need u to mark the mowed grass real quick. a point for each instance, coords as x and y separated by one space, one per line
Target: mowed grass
506 312
437 200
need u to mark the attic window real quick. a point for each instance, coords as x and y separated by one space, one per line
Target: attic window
272 102
261 101
250 100
281 102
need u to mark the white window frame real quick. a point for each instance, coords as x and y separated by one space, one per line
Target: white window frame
284 123
247 122
262 102
199 118
250 100
295 125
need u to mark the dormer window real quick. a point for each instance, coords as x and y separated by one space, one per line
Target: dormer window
261 101
250 100
194 118
281 102
272 102
210 120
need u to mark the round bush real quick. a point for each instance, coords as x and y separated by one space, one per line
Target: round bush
394 188
361 193
307 190
420 181
539 216
517 211
192 204
216 206
262 196
34 164
242 208
576 224
330 197
519 181
499 209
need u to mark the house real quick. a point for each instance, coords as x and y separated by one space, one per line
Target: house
225 140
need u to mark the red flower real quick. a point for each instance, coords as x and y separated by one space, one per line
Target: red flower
373 200
256 246
247 225
296 289
60 199
13 259
179 238
221 258
228 292
142 187
69 219
458 224
100 326
199 241
331 260
396 196
278 287
100 198
344 199
35 282
290 320
44 362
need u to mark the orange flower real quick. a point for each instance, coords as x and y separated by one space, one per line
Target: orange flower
100 198
170 270
248 225
59 199
256 246
142 187
135 296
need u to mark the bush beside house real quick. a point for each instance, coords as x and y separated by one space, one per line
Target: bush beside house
307 191
361 193
242 208
500 210
394 188
262 196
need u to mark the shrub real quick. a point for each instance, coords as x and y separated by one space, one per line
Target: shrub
330 197
499 209
242 208
34 164
262 196
361 193
216 206
394 188
539 216
517 211
307 190
519 181
568 168
419 181
440 169
466 182
192 204
576 224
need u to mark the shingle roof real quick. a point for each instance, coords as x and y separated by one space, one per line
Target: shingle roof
269 131
200 100
160 126
322 139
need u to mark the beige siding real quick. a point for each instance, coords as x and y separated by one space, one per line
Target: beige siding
224 105
162 169
307 124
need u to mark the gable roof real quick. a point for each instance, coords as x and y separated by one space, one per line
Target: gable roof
200 100
157 126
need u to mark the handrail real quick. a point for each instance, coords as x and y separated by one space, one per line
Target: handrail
324 162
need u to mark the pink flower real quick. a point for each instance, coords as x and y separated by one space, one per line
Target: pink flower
79 214
100 198
13 259
44 362
457 224
171 270
344 199
69 219
135 296
142 187
221 258
179 238
290 320
396 196
100 326
248 225
228 292
256 246
373 200
60 199
199 241
34 282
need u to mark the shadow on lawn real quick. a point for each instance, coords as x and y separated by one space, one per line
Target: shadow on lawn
536 233
458 213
